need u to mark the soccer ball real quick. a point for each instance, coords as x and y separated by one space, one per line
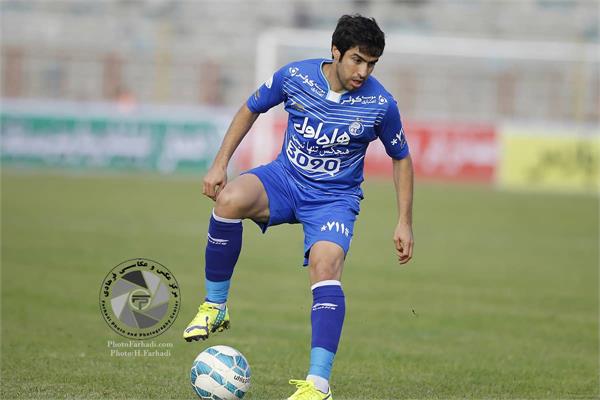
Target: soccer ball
220 373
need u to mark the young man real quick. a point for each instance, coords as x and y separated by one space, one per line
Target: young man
335 110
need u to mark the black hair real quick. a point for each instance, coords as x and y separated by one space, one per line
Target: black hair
356 30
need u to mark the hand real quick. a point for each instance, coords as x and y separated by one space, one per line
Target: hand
404 242
214 181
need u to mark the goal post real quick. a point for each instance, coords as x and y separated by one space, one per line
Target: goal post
455 88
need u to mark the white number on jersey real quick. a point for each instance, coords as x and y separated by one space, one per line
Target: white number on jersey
308 163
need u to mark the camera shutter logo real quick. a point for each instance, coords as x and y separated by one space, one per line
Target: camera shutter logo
139 299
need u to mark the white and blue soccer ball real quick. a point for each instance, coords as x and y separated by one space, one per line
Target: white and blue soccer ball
220 373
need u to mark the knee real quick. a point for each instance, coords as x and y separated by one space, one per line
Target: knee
229 204
326 266
325 271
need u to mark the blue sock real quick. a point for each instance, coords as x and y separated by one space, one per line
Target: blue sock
222 252
327 318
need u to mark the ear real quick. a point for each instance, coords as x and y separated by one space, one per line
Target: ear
335 53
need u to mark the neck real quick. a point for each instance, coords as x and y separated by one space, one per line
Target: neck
329 70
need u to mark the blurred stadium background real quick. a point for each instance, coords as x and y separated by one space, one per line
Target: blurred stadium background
111 111
489 90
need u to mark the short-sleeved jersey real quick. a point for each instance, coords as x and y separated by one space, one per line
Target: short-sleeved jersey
327 132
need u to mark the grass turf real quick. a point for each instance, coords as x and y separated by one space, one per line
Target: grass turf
500 301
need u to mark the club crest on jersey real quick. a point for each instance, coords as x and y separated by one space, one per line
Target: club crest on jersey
356 128
324 140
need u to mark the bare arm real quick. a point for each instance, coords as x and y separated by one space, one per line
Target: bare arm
216 177
403 182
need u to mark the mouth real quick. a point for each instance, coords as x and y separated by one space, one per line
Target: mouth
356 83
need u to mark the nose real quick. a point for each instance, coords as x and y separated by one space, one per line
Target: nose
363 70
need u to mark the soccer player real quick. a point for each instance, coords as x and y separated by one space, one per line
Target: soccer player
336 108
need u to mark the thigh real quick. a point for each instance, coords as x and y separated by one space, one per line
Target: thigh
331 220
280 195
243 197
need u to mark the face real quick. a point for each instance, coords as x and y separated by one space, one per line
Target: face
353 68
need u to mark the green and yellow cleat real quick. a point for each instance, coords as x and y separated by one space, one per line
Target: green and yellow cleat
306 390
210 319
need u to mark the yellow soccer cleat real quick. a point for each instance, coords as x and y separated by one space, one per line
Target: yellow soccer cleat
210 318
306 390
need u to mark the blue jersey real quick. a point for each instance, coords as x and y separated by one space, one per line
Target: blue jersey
327 132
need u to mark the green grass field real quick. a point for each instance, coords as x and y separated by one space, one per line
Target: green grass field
500 301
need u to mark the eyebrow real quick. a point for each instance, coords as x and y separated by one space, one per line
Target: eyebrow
365 60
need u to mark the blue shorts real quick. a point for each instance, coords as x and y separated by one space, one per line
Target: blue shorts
324 216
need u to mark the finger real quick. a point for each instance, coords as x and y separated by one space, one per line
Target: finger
209 191
403 248
397 243
406 253
404 259
399 249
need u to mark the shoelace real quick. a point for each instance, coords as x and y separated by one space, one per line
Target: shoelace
302 386
203 307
